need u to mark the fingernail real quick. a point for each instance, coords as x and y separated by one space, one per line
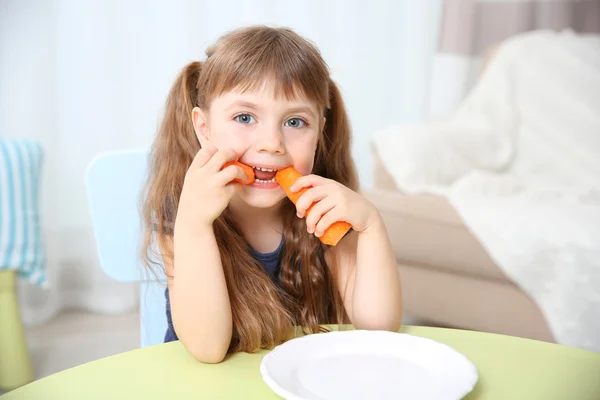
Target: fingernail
299 215
293 188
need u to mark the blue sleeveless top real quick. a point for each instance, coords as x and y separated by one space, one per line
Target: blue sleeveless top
269 261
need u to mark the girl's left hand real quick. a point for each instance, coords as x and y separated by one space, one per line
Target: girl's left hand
333 202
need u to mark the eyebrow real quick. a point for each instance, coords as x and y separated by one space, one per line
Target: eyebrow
242 103
301 109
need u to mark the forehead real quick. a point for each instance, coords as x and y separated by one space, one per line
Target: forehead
269 94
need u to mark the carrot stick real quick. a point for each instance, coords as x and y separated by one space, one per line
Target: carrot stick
286 178
248 170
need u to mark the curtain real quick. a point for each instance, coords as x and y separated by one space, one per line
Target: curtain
471 29
86 77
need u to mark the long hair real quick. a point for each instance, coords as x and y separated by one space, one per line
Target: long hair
263 313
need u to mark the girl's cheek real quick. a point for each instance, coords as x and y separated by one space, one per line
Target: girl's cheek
304 166
226 137
302 153
240 144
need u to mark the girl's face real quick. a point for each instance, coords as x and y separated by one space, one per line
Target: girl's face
267 132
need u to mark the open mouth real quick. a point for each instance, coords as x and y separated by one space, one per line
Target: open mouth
264 175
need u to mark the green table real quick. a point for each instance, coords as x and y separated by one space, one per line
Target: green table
509 369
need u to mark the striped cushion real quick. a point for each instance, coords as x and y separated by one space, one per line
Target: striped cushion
21 245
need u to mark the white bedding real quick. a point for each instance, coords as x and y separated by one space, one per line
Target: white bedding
520 161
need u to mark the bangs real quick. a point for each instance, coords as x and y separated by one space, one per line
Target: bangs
293 68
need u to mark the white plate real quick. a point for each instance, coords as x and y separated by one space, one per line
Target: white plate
363 365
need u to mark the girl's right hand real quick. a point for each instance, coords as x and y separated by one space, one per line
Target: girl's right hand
207 188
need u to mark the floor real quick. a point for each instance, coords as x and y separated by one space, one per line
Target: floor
75 338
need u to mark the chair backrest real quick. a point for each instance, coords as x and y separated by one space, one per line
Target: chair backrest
114 181
22 246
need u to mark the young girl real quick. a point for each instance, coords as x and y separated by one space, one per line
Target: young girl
244 264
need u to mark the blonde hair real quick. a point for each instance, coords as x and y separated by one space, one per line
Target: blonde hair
263 313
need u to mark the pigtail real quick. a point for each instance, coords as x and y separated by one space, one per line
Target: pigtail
177 120
338 164
170 156
332 158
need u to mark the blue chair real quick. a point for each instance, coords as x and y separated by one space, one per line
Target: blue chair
114 181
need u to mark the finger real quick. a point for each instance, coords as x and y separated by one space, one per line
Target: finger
308 198
230 173
317 212
231 190
207 144
202 157
220 158
308 181
331 217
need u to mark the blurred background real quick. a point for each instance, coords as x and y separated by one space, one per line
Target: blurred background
470 121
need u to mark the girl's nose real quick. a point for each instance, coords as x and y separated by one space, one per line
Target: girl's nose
270 140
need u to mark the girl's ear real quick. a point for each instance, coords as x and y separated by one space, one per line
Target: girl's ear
200 125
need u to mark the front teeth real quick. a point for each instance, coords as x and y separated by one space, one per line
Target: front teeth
263 181
266 169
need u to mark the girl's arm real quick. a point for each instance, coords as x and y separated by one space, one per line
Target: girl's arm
369 278
199 299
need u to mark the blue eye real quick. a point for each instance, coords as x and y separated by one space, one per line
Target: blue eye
295 123
245 119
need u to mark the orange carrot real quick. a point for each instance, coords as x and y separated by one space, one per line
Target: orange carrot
248 170
286 178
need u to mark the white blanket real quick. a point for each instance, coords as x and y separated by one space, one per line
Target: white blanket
520 161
